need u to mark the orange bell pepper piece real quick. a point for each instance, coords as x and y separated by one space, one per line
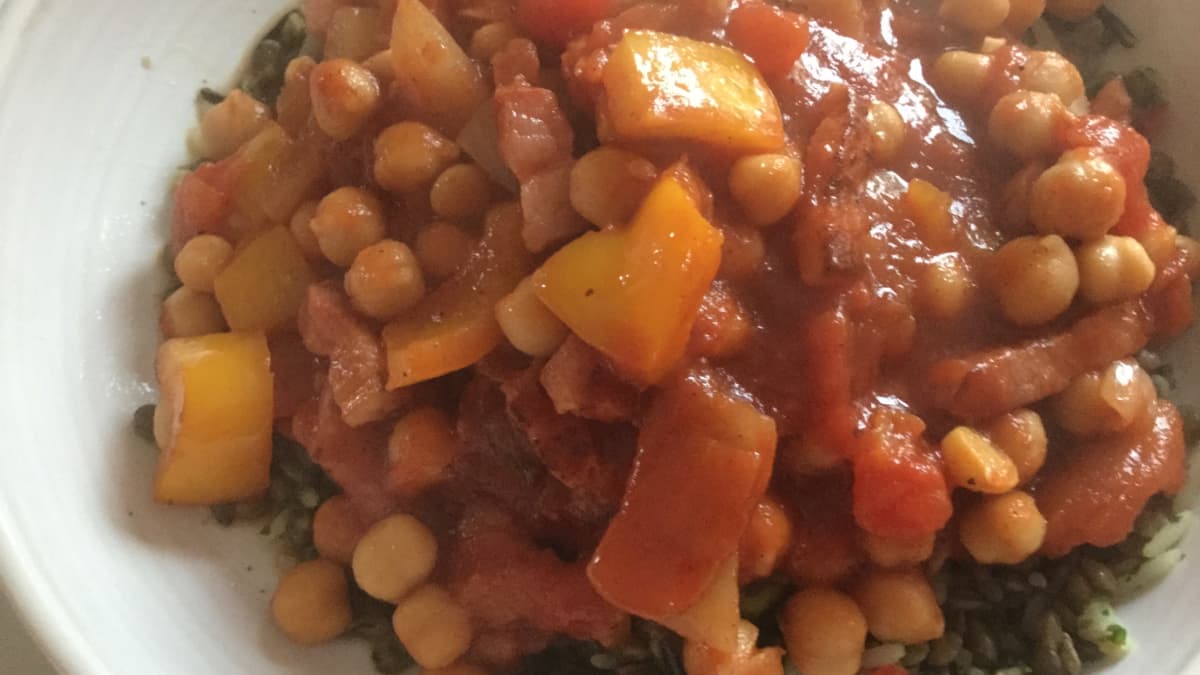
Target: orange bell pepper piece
455 326
215 418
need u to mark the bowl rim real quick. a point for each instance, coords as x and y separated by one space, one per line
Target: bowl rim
37 606
39 609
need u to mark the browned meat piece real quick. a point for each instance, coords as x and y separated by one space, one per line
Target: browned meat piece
988 384
357 363
580 381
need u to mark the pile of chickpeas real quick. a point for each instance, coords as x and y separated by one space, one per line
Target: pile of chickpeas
390 560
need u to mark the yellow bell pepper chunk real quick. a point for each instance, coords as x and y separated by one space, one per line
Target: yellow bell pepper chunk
455 326
929 208
215 418
662 86
264 284
634 293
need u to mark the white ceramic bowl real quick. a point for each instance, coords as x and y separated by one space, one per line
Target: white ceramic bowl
95 99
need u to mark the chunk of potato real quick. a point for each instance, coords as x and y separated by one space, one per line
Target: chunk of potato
434 75
661 86
262 288
280 172
634 293
215 418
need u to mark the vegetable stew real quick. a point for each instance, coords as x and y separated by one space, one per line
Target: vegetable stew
693 336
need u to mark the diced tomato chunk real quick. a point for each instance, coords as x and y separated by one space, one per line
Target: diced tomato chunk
1093 491
203 201
900 491
554 22
773 37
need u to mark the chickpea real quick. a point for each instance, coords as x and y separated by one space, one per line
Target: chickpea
764 541
1191 251
344 97
442 249
528 324
188 313
890 553
900 606
1052 73
300 226
1035 279
1113 268
201 260
976 16
490 38
973 462
227 125
337 529
608 184
311 605
991 45
1073 10
410 155
293 108
887 130
394 557
462 192
434 629
1016 196
825 632
1021 435
1002 529
1105 401
944 287
961 75
1160 240
1082 196
767 187
347 220
1022 14
385 280
420 450
1023 123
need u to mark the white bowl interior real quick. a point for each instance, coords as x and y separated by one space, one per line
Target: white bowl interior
96 99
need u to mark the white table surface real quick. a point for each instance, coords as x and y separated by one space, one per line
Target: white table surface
18 654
